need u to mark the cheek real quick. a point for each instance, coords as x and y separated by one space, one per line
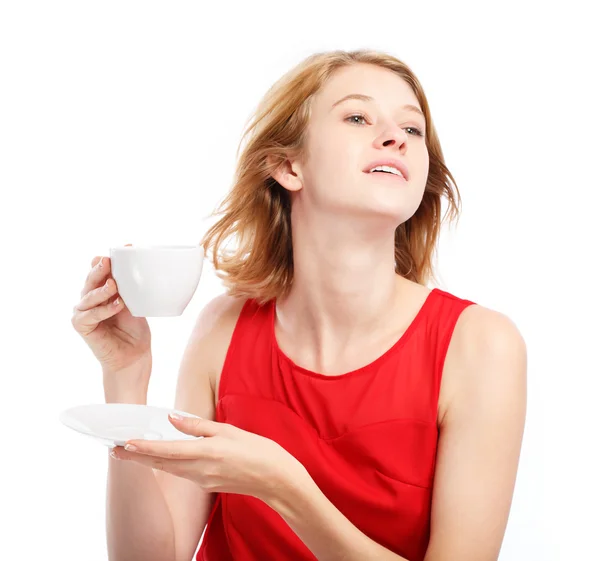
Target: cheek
335 165
323 171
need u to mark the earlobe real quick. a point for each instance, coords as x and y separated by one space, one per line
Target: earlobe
291 182
285 176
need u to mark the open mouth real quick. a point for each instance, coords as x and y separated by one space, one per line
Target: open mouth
388 174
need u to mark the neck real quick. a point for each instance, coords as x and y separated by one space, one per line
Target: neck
345 291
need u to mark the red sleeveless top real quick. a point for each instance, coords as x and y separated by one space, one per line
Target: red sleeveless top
368 438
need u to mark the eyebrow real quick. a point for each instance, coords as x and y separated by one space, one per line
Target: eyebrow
363 97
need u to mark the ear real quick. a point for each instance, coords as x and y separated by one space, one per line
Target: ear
287 174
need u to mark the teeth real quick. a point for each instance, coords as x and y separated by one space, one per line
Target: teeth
388 169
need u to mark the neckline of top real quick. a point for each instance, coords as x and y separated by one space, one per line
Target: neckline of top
400 342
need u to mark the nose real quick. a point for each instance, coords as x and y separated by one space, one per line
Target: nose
393 135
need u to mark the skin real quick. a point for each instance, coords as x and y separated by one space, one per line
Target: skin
343 223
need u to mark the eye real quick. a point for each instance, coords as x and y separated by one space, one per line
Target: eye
353 116
417 132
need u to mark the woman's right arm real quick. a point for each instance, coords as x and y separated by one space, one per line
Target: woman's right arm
154 514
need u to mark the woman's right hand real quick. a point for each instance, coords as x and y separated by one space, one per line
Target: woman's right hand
117 339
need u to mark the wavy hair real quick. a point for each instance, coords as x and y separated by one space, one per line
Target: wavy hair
257 210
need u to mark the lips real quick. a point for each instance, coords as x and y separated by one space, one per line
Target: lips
392 162
387 176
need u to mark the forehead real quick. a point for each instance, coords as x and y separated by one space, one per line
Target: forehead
386 87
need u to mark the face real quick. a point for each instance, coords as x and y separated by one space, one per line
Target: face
344 139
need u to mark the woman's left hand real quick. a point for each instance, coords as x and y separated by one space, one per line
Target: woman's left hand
227 460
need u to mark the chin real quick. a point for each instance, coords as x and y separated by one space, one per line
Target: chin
379 205
400 208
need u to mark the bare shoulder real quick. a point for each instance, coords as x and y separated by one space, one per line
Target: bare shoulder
215 312
481 330
481 335
214 328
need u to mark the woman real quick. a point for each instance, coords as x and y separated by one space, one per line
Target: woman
349 412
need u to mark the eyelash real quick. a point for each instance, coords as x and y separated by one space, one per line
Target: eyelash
418 133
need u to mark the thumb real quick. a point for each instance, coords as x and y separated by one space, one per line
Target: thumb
193 425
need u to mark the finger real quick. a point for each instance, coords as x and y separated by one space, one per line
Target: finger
97 275
196 426
101 268
97 296
170 449
85 321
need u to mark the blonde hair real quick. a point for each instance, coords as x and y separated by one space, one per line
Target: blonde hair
257 209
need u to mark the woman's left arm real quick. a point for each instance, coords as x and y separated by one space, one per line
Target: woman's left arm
477 459
328 534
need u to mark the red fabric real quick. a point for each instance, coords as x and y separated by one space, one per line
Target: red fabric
368 438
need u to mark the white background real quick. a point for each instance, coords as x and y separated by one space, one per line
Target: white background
119 123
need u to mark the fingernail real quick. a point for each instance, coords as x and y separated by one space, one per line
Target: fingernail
100 262
175 416
113 455
130 447
116 302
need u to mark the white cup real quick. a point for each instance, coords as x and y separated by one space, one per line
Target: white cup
157 280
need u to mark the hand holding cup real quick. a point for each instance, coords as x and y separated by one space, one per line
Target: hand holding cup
118 340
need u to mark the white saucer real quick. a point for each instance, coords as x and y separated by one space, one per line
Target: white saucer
114 424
